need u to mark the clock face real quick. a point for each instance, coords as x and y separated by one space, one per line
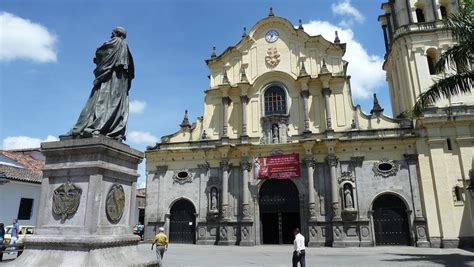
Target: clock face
271 36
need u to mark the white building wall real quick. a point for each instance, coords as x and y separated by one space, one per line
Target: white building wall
10 196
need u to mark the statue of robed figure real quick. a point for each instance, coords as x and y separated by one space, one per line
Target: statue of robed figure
106 110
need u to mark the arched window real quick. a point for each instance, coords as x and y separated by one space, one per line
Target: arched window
444 12
431 58
275 101
420 16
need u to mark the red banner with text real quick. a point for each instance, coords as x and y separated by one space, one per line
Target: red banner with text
277 167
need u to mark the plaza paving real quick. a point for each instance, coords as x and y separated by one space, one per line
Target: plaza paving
191 255
180 255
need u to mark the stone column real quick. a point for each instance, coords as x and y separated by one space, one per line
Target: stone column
246 168
225 167
327 93
310 164
244 99
420 221
332 162
305 95
225 122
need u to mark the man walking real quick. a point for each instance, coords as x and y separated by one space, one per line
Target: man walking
140 230
161 242
298 249
14 235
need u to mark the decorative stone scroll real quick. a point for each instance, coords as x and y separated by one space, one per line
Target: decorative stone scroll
385 168
66 200
115 203
346 176
182 176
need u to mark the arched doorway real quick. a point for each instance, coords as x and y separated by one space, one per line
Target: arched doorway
279 211
390 221
182 222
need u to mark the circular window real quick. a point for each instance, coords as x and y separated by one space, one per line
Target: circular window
385 167
183 175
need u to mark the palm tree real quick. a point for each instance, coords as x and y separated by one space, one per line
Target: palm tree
458 58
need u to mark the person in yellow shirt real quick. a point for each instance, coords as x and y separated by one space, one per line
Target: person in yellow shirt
161 242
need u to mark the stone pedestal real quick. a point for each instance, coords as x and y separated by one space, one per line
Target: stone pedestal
338 234
247 234
228 234
316 234
87 206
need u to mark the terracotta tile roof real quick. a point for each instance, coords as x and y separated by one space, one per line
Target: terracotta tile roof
20 174
32 171
24 159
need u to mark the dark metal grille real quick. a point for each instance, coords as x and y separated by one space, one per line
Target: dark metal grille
390 221
275 101
182 222
279 196
279 211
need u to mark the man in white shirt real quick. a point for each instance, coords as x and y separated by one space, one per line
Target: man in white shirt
298 247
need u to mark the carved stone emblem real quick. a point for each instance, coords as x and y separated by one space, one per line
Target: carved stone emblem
273 57
115 203
223 233
346 176
246 211
313 232
364 231
66 199
245 232
385 168
182 176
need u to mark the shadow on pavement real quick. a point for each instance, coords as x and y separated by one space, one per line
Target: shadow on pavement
446 259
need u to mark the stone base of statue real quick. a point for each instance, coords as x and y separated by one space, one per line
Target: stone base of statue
87 206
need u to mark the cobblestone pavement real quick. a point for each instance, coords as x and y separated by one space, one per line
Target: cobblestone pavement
192 255
180 255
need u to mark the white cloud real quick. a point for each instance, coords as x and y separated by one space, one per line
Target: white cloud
20 142
345 8
22 39
137 106
141 182
142 138
365 70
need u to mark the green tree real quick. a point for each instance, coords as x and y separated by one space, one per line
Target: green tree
458 58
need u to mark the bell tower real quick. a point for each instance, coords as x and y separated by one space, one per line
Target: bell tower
414 39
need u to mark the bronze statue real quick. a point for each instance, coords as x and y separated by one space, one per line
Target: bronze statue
106 111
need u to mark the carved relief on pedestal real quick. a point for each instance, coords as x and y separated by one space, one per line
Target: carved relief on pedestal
115 203
66 200
245 233
313 231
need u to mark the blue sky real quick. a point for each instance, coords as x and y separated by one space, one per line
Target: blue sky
46 51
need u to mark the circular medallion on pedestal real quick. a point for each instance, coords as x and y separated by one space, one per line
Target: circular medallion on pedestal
364 231
115 203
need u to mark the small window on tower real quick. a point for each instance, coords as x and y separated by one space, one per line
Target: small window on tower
444 12
431 58
458 193
420 16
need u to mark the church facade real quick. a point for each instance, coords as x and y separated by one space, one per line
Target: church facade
280 145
